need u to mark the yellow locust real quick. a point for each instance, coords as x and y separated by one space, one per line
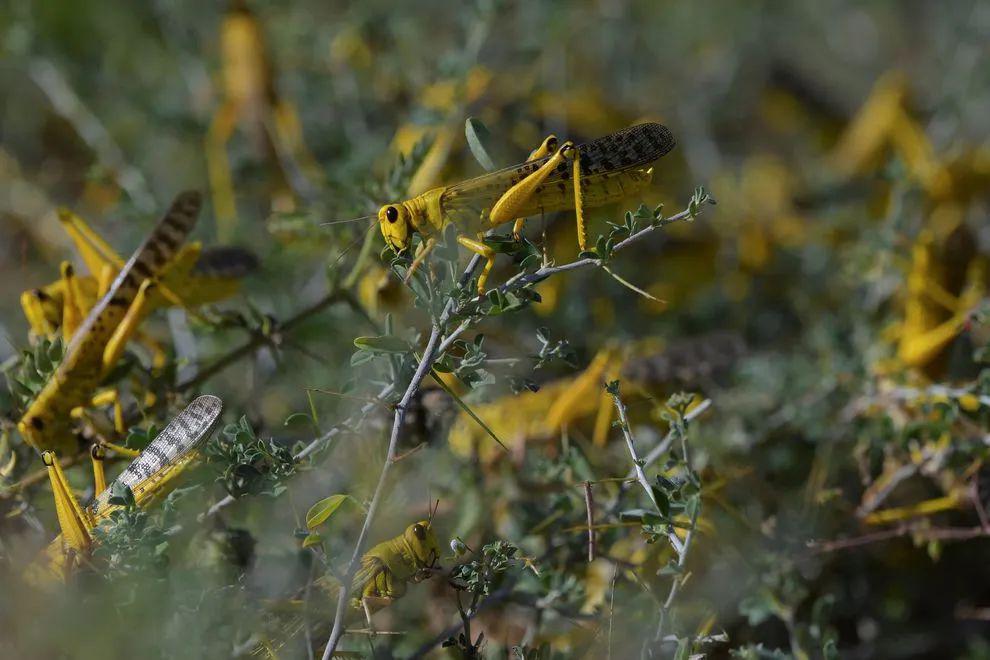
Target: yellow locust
203 275
386 568
148 475
99 340
946 278
553 178
648 368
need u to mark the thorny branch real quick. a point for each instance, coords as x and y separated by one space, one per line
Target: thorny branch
524 279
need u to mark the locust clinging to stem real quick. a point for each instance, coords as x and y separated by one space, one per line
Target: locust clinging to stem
555 177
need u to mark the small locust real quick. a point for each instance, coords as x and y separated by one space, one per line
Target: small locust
148 475
553 178
387 568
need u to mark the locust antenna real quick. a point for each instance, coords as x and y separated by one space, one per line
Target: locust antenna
349 247
433 513
344 222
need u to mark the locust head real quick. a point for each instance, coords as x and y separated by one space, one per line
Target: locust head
395 221
422 542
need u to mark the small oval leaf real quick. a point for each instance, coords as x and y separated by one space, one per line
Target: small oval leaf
383 344
477 135
313 538
320 512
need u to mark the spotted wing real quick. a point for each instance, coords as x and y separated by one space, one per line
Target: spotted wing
167 455
618 152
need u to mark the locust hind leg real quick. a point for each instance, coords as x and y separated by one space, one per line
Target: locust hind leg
72 300
582 228
75 524
484 252
547 147
510 205
128 326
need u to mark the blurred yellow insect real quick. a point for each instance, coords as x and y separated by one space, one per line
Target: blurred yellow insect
251 100
648 368
946 277
386 570
148 475
553 178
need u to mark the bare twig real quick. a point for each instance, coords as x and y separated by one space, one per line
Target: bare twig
259 339
589 504
637 467
654 454
925 534
523 279
680 577
429 354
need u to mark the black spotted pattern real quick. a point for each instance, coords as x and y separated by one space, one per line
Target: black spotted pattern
628 149
175 444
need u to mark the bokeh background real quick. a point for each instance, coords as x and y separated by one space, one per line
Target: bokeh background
830 306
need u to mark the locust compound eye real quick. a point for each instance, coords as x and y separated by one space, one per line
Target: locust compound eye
419 531
391 214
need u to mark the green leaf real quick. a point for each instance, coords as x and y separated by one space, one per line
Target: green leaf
467 409
291 419
313 538
320 512
477 135
383 344
663 502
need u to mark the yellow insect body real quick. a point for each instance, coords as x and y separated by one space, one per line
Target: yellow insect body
250 100
553 179
98 342
389 566
644 367
202 276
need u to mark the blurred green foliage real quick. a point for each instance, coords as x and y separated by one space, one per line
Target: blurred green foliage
832 500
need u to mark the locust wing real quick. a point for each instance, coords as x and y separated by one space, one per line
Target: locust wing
603 161
167 455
